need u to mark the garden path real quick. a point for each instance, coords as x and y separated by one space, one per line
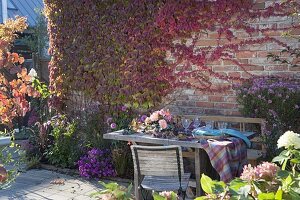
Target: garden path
44 184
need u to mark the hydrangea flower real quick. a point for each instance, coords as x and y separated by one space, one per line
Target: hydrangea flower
168 194
32 73
266 171
289 138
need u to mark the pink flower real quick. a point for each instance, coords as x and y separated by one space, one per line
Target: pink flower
124 108
168 194
163 124
266 170
248 173
168 115
154 116
113 125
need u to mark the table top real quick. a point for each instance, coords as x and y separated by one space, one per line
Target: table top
227 156
146 138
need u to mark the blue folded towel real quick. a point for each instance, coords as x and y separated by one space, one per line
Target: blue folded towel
231 132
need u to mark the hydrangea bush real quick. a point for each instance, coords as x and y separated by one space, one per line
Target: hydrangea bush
96 163
275 99
265 181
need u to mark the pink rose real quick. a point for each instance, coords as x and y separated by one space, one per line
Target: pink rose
154 116
168 115
163 124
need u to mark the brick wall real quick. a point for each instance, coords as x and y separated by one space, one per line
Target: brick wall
189 101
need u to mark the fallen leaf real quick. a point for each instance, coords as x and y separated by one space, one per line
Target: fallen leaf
58 182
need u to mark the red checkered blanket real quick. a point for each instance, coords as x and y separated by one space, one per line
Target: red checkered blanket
227 156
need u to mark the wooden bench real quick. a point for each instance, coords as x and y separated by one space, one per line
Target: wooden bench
241 123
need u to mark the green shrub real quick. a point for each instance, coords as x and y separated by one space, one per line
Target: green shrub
91 128
114 191
66 149
274 99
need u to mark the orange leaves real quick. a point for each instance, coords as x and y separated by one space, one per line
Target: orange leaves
24 76
13 96
13 93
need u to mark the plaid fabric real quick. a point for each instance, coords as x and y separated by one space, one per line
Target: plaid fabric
227 157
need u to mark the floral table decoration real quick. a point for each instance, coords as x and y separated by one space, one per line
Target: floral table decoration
160 123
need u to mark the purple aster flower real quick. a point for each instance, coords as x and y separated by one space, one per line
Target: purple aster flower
296 106
113 125
269 101
124 108
96 163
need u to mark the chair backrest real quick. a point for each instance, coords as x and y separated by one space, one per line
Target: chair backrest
157 160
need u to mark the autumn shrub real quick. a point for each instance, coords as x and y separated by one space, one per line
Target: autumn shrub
16 87
275 99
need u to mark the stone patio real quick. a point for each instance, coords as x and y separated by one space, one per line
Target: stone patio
43 184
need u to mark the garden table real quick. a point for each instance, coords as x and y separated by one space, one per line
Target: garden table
218 152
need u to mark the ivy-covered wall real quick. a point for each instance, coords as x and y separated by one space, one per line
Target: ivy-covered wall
137 51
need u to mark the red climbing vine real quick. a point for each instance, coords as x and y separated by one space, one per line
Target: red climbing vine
137 51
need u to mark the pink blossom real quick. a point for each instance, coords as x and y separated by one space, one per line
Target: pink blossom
167 194
113 125
248 173
168 115
124 108
154 116
163 124
266 170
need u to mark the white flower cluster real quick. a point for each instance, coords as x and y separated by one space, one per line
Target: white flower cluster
289 138
32 73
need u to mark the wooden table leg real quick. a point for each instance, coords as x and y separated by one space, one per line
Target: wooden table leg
197 172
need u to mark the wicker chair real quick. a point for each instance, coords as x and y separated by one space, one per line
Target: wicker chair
159 168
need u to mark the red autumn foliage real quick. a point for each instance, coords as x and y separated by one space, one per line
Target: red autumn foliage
117 49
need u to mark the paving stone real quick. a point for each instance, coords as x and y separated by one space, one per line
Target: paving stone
36 185
81 197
